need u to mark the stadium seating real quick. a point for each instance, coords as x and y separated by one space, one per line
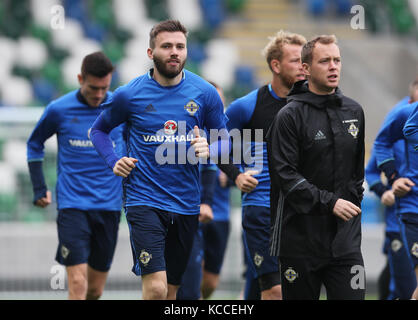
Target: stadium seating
8 188
391 16
48 58
16 91
41 57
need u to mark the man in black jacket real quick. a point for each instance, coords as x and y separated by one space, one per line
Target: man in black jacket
316 165
253 114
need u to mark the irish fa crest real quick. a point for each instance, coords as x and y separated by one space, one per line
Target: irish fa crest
396 244
353 130
290 274
258 260
64 251
414 249
145 257
191 107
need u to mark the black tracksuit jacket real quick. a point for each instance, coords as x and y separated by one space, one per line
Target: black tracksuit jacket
316 155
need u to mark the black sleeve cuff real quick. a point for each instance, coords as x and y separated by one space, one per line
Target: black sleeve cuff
230 170
334 199
390 171
208 180
38 181
379 189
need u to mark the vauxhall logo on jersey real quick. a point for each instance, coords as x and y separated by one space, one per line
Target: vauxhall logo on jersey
168 133
83 143
170 127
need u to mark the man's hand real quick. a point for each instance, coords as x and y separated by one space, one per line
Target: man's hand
206 213
246 182
124 166
402 186
200 144
345 209
388 198
45 201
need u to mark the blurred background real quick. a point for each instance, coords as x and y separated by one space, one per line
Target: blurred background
42 43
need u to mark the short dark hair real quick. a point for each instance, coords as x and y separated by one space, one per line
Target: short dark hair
307 49
166 25
96 64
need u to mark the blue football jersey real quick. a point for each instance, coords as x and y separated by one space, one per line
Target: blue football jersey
390 132
373 177
221 198
411 128
159 123
254 153
84 181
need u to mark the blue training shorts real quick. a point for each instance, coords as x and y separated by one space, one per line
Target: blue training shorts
409 230
87 237
256 227
160 241
215 235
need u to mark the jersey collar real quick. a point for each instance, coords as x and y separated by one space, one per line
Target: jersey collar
151 72
275 96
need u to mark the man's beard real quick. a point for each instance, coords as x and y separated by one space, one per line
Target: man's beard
287 80
164 71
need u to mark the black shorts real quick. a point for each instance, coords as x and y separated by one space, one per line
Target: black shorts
215 235
256 227
409 231
343 278
87 237
160 241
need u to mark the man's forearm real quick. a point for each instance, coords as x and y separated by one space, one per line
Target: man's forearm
38 180
104 146
230 170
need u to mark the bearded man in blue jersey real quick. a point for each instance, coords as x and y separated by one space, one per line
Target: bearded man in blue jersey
163 111
89 196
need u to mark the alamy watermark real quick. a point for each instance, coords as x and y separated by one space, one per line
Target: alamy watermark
247 145
358 21
358 281
58 17
57 281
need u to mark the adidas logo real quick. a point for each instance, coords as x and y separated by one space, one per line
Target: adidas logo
320 136
150 108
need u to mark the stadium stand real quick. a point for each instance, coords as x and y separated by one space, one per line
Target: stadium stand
47 58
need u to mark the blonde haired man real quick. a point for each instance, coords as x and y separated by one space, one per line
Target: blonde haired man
253 112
